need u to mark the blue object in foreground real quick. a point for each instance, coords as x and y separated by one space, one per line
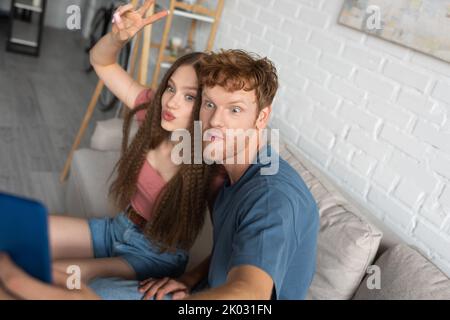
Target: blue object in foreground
24 235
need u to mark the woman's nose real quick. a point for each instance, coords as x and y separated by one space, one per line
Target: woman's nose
173 102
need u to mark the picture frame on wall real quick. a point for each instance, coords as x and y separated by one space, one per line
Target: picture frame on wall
422 25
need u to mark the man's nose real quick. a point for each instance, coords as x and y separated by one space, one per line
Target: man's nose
216 120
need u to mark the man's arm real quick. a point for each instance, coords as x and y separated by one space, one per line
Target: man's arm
193 277
243 283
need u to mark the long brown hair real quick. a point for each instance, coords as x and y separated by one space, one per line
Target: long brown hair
179 212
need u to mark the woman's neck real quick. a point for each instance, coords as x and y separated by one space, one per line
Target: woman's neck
166 146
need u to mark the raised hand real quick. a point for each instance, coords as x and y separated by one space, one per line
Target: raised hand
127 21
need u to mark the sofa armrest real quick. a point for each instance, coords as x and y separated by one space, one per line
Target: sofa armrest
404 274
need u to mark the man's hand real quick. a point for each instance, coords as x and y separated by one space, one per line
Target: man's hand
19 284
158 288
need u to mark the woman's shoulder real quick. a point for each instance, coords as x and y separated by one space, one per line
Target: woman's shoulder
144 97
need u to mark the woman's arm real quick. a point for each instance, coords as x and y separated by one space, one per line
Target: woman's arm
103 56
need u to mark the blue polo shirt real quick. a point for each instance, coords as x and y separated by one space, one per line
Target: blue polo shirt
270 222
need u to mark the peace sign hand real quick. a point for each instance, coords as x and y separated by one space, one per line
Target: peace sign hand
127 22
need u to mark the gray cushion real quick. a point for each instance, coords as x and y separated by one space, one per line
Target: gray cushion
347 243
87 189
406 275
108 134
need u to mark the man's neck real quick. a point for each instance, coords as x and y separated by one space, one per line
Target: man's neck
236 171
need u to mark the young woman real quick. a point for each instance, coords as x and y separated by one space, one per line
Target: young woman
162 204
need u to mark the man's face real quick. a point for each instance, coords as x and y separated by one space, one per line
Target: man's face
221 111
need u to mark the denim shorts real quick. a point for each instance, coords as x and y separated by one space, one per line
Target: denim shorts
120 237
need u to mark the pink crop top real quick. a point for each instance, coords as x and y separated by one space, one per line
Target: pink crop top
150 182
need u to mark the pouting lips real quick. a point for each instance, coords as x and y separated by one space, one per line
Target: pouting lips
168 116
213 135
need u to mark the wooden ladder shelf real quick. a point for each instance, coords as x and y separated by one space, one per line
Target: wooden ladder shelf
196 12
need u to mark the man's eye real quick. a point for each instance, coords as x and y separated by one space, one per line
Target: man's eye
236 110
209 105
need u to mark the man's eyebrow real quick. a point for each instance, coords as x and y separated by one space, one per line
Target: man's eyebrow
229 103
237 101
207 97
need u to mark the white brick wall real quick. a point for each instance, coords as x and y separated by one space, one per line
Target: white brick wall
371 114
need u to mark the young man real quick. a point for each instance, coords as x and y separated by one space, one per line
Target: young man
265 221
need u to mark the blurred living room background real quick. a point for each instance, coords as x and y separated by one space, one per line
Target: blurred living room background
45 92
371 110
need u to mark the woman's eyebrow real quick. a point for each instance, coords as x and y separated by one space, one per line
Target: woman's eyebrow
190 88
184 87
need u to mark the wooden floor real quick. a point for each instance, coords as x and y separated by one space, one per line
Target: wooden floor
42 103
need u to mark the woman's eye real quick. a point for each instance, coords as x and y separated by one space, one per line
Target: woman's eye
170 89
190 98
236 110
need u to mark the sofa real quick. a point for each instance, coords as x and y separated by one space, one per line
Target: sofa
357 256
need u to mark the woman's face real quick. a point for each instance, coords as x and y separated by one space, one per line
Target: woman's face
179 98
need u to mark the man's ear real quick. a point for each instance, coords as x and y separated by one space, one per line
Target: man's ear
263 118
